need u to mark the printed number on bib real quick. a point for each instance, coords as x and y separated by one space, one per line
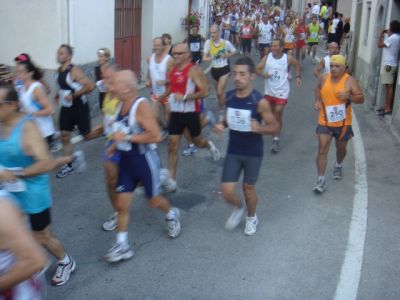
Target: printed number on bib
314 35
336 113
239 119
195 47
302 35
290 38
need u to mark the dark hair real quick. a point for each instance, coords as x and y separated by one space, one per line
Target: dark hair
280 42
30 67
11 94
246 61
395 26
336 14
68 48
22 57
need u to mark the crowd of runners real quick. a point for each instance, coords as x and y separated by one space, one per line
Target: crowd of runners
133 126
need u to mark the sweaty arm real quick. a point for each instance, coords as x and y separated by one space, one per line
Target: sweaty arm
318 101
197 75
146 119
170 65
87 86
15 237
35 146
270 123
260 68
41 97
356 94
294 62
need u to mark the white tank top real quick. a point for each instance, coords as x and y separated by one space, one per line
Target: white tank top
327 67
29 105
266 34
158 71
278 84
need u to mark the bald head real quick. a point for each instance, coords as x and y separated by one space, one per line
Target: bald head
124 85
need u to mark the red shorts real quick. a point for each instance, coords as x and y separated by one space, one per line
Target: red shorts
300 44
275 100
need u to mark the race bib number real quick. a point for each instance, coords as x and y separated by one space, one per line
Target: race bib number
159 89
302 36
275 76
62 94
15 186
314 35
124 145
101 86
290 38
218 63
194 47
239 119
336 113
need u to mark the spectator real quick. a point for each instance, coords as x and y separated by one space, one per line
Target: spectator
339 30
315 10
391 47
345 37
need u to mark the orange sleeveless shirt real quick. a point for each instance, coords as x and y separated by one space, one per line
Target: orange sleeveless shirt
334 112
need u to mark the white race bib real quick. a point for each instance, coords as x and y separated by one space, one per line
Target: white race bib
101 86
15 186
239 119
195 47
124 145
302 35
62 94
289 38
314 35
336 113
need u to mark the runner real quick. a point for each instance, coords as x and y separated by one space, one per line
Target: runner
265 31
195 42
313 32
226 26
26 166
187 85
324 65
135 132
246 111
159 63
335 93
21 259
104 56
74 104
218 51
33 99
300 34
274 69
287 33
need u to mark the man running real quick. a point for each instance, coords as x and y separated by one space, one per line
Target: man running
135 133
335 93
313 32
265 32
218 51
74 86
187 85
246 111
274 69
25 160
324 65
159 63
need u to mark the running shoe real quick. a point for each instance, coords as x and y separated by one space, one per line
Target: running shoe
65 171
174 225
337 172
118 253
63 272
164 176
235 218
320 186
79 161
170 186
251 225
275 146
190 150
216 155
112 223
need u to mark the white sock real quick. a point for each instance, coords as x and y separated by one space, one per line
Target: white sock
65 260
321 178
170 215
337 164
122 238
276 138
191 145
252 218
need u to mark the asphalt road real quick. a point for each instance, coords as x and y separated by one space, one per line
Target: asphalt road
302 240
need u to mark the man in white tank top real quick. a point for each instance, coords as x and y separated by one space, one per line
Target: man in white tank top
274 69
324 65
159 64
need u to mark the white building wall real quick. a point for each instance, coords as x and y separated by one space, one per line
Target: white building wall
91 26
34 27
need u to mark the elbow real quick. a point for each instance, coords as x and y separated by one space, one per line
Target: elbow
157 137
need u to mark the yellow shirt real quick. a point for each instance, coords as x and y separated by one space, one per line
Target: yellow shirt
109 109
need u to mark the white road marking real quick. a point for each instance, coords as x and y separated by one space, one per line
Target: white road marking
350 274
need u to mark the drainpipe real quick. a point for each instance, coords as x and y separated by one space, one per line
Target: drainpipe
70 22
